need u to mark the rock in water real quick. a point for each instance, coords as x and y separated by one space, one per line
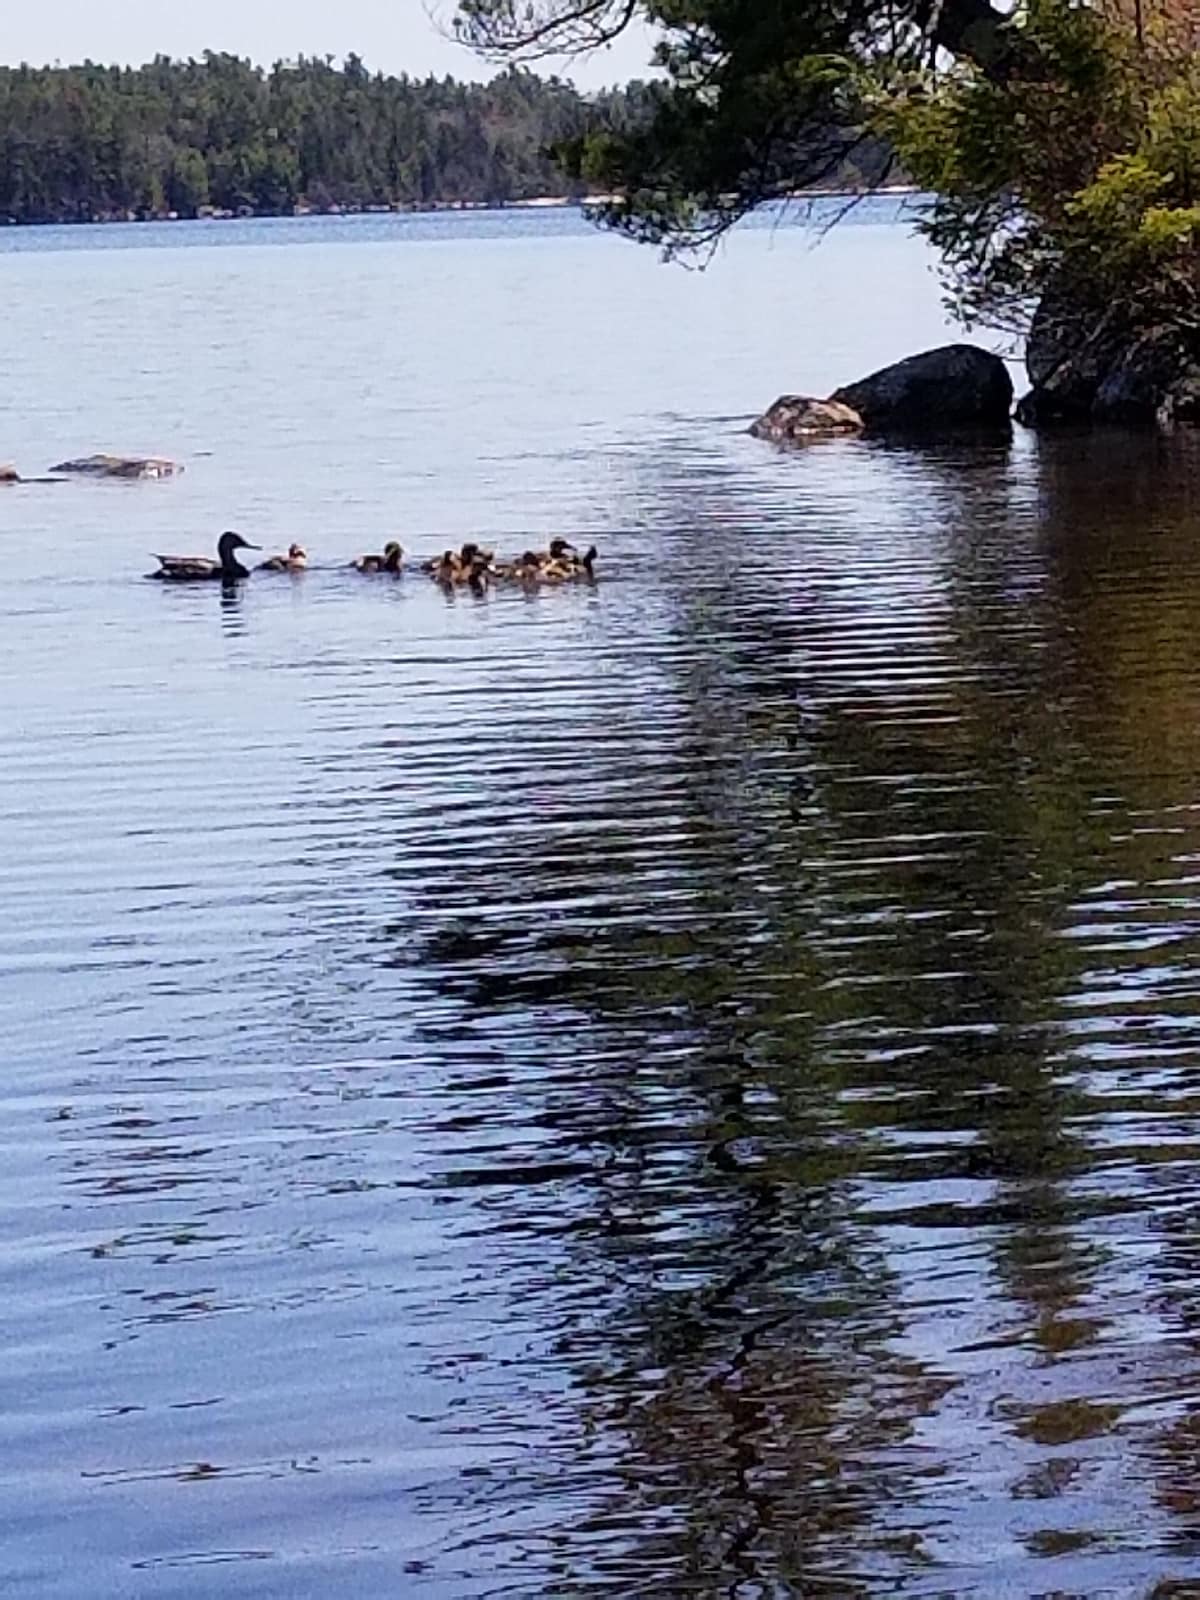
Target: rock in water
796 417
9 474
119 467
1096 363
939 391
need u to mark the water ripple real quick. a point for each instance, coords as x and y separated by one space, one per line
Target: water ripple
686 1087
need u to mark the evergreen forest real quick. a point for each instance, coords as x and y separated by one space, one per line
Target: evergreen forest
187 138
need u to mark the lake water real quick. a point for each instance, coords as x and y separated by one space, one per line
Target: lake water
686 1087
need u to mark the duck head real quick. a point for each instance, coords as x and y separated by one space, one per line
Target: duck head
560 548
227 546
393 555
297 552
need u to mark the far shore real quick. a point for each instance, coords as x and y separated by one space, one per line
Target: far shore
532 203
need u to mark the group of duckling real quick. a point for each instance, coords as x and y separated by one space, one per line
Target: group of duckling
468 567
471 566
477 568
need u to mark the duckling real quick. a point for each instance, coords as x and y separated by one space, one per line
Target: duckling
555 572
457 567
391 560
191 569
554 565
527 567
565 561
295 561
481 572
562 564
444 568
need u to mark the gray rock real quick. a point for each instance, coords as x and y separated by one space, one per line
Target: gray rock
958 386
796 418
103 466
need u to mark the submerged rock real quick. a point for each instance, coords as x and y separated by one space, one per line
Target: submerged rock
796 417
104 466
954 387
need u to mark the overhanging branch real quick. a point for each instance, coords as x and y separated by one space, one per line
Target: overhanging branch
508 31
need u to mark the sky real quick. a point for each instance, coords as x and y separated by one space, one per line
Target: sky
390 35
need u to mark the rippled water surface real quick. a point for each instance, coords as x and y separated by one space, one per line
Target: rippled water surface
686 1087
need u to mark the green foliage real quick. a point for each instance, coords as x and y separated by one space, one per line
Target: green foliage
1081 176
85 142
1061 148
703 160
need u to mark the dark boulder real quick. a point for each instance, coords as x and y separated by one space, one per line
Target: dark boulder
1070 347
1098 363
796 418
104 466
958 386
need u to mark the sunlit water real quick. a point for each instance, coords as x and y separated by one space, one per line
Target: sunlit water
681 1087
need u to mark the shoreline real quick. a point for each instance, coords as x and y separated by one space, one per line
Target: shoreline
435 207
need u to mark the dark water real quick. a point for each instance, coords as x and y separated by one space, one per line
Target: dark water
682 1088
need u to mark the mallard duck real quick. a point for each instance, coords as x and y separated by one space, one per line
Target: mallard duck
191 569
295 561
391 560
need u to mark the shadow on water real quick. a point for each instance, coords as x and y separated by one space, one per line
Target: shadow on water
841 955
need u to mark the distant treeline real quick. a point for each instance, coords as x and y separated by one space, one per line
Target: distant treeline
86 143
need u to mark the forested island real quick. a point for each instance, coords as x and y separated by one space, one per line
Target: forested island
185 138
